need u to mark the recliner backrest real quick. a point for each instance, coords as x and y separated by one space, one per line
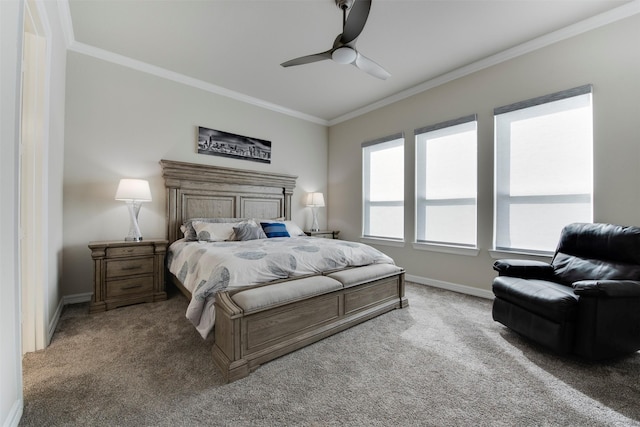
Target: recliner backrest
597 252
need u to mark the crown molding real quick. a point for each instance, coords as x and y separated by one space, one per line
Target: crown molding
186 80
85 49
589 24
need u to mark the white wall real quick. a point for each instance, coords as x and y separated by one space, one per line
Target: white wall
10 352
121 123
607 57
55 157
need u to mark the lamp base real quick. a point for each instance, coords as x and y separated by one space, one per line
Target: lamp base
134 230
315 226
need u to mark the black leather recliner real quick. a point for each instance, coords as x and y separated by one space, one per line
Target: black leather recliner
585 302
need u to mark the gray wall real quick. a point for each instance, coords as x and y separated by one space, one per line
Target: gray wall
120 123
607 57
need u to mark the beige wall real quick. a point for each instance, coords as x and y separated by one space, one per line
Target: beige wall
121 123
607 57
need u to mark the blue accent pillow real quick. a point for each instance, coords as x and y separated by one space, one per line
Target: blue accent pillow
275 229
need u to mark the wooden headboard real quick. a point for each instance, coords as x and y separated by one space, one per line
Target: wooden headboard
203 191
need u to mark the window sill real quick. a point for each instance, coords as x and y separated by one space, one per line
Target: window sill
447 249
383 242
503 253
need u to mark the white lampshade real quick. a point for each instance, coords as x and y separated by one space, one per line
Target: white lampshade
315 200
133 189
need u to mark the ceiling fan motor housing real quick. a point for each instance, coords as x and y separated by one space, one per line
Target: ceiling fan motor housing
344 4
344 55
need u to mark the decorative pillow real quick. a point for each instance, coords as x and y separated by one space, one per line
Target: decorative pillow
248 230
213 231
190 233
292 227
274 229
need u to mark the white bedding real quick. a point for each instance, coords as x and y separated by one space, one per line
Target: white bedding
205 268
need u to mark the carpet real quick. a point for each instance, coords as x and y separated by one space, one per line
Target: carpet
442 361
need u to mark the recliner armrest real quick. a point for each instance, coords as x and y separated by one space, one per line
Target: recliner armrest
526 269
610 288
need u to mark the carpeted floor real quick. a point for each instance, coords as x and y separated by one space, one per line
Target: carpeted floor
440 362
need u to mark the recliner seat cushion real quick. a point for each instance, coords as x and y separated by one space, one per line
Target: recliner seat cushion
550 300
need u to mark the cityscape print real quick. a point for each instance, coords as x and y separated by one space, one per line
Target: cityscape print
219 143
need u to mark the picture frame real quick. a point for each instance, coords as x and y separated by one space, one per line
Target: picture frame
225 144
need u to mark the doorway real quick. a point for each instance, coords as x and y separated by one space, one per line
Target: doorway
33 174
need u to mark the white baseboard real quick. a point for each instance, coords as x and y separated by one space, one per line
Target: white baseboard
77 298
66 300
13 418
463 289
54 321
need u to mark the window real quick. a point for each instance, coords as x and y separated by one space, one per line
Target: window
383 188
446 182
544 169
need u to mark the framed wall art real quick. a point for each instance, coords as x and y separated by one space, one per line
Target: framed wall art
225 144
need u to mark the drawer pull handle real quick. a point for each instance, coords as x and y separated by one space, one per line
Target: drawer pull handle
135 267
124 288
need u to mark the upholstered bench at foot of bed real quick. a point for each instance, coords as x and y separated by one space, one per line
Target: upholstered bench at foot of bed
357 276
266 297
259 324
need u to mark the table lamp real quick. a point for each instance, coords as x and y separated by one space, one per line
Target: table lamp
315 201
133 192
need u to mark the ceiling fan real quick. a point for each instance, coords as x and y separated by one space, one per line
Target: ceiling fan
344 47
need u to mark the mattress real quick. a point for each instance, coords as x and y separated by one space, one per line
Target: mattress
205 268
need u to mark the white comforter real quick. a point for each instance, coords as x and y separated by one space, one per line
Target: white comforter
205 268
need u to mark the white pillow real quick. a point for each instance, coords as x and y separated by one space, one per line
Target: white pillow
214 232
293 229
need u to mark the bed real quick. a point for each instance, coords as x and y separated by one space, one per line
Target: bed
292 304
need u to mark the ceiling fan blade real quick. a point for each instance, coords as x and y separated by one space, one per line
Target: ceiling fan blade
371 67
355 21
308 59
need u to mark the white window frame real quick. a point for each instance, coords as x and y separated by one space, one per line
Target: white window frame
503 200
391 141
450 127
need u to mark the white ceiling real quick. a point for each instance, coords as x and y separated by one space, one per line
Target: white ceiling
235 47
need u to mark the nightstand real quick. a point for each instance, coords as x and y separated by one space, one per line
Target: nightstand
327 234
127 273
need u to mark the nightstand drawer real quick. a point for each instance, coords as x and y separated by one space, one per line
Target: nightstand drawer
129 251
122 287
129 267
127 273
